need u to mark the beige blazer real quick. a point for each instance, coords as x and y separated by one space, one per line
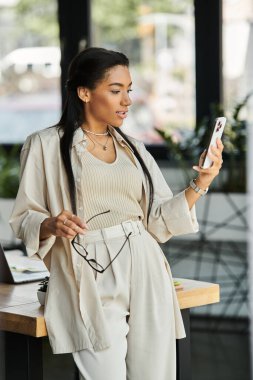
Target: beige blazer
75 321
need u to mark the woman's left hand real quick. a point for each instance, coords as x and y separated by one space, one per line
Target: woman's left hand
206 176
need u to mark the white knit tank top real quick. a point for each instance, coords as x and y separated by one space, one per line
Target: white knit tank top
116 187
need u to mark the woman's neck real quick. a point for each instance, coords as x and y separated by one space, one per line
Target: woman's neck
95 129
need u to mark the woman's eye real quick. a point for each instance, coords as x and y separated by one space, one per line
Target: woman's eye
115 91
129 90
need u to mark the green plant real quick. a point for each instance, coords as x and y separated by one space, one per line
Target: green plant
9 171
43 284
235 140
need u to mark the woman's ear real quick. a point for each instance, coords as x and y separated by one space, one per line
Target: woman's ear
83 94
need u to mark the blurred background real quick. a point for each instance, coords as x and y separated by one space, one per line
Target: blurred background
191 61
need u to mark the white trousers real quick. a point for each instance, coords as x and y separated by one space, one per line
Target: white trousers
136 295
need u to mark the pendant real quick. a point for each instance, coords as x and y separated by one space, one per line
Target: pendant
105 147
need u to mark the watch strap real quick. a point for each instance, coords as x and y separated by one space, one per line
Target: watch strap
197 189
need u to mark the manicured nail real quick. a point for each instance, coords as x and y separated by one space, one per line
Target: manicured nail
195 168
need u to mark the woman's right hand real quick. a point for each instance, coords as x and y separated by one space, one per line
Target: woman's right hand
65 225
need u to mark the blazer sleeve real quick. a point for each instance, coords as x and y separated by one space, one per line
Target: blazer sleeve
30 208
170 215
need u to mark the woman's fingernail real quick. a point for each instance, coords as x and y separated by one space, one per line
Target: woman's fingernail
195 168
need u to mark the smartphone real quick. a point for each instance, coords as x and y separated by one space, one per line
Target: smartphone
217 132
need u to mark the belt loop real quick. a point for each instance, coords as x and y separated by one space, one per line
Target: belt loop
131 226
138 222
124 227
104 235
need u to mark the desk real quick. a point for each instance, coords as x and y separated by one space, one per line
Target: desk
21 316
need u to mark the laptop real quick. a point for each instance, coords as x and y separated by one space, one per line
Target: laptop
15 268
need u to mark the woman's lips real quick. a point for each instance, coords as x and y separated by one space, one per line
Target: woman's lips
122 114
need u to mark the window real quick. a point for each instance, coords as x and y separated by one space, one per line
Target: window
29 68
237 50
158 38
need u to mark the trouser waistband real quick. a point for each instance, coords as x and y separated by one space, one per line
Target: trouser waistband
120 230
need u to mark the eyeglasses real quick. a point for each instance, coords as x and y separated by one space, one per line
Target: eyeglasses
80 249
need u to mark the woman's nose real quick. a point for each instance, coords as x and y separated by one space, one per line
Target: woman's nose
126 100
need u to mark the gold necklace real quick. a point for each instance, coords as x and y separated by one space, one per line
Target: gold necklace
96 134
104 146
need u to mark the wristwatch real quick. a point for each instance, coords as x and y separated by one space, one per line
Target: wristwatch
197 189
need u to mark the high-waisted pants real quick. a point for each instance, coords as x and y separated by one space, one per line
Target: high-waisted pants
136 294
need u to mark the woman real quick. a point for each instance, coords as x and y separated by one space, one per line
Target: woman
93 204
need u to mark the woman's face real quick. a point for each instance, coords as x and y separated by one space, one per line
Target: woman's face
108 103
